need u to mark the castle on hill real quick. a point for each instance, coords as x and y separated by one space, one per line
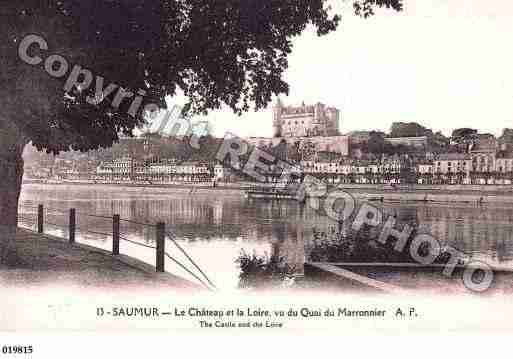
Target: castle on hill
316 124
305 121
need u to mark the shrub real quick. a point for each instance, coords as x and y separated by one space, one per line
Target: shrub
263 271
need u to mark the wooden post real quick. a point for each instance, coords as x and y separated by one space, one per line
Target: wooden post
72 225
161 240
40 218
115 234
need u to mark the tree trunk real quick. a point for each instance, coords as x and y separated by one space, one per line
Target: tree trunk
11 172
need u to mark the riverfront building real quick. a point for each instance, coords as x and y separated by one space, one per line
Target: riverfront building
477 167
388 170
128 169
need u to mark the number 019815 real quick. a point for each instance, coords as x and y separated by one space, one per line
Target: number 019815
17 349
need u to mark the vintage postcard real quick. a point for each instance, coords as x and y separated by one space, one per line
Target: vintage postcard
253 167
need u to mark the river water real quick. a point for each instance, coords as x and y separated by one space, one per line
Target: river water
216 226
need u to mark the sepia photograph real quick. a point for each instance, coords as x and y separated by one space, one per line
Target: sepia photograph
253 167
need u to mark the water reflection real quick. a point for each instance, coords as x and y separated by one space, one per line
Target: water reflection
215 226
481 231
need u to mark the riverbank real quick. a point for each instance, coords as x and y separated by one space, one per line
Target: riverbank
478 194
225 188
43 260
492 194
402 278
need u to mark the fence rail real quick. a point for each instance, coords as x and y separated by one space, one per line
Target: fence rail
160 237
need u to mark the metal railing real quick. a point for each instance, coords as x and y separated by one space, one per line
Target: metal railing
39 218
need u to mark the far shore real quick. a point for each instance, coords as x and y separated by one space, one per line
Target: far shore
474 194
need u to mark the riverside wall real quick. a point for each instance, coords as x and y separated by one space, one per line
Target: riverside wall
479 194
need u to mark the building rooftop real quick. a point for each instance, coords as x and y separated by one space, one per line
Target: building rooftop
418 138
452 157
504 154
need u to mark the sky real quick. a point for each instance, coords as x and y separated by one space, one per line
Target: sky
442 63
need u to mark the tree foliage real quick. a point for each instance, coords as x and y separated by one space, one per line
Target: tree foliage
216 52
409 129
461 133
464 138
229 52
507 136
365 8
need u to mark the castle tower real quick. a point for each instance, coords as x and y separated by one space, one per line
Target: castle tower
277 111
317 113
333 118
318 121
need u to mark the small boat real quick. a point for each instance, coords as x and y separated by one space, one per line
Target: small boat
270 195
53 181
